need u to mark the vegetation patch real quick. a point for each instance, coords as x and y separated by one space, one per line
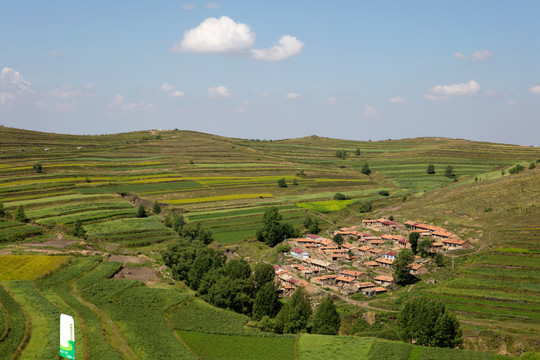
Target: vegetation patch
218 198
326 206
321 347
28 267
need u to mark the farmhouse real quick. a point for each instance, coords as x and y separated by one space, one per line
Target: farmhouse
324 278
371 263
299 253
384 262
442 234
418 269
436 247
390 255
362 251
344 280
320 264
379 290
368 223
376 242
453 244
351 273
383 280
375 252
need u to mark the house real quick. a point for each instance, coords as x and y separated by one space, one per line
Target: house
299 253
387 237
320 264
305 241
371 263
390 255
387 223
313 237
326 242
379 290
368 223
436 247
337 255
442 234
364 285
403 242
383 280
384 262
362 251
375 252
370 291
371 238
344 280
322 279
376 242
351 273
347 246
418 269
453 244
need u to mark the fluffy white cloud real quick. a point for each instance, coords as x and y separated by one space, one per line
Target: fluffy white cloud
535 89
370 112
119 103
178 94
478 55
396 100
482 55
292 96
219 91
443 92
212 5
288 46
12 85
171 90
222 35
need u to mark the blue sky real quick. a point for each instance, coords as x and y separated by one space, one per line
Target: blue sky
270 70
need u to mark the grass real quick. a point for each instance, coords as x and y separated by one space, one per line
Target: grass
320 347
218 198
326 206
238 346
28 267
15 319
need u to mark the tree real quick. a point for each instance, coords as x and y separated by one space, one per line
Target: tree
295 182
78 230
262 274
38 168
449 172
424 247
516 169
430 169
365 169
312 224
20 215
341 154
402 275
439 260
357 152
428 322
338 239
238 269
281 183
532 165
413 240
326 320
156 209
266 302
141 212
340 196
273 231
391 218
294 316
2 210
384 193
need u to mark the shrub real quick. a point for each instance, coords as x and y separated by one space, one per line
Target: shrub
516 169
341 154
384 193
340 196
281 183
295 182
357 152
38 168
365 207
532 165
141 212
430 169
449 172
157 208
365 169
20 215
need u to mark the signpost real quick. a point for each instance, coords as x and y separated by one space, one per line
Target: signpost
67 337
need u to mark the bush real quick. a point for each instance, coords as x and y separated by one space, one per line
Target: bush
281 183
384 193
430 169
157 208
449 173
341 154
340 196
365 169
365 207
532 165
516 169
141 212
38 168
20 215
357 152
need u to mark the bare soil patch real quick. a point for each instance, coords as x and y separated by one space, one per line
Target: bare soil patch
142 274
127 259
56 243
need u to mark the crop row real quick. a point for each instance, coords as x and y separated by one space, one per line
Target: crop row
218 198
28 267
15 321
76 208
87 216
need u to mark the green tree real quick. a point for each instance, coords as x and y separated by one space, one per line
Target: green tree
78 230
178 223
340 196
413 240
273 231
238 269
449 172
424 247
402 275
282 183
156 209
341 154
357 152
384 193
20 215
141 212
294 316
439 259
266 302
516 169
312 224
430 169
262 274
365 169
326 320
38 168
428 322
295 182
338 239
2 210
532 165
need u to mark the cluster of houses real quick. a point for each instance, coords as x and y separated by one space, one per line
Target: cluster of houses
363 262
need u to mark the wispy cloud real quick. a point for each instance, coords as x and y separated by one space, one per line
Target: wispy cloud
219 91
119 103
478 55
535 89
188 7
331 101
292 96
212 5
444 92
370 112
396 100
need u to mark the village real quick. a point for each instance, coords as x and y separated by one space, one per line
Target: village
363 262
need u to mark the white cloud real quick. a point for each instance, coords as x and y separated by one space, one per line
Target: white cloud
288 46
219 91
188 6
370 112
443 92
491 93
331 101
222 35
166 87
12 85
478 55
119 103
482 55
292 96
226 36
266 93
212 5
178 94
396 100
90 86
65 93
535 89
512 103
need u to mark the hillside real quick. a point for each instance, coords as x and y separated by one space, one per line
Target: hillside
225 184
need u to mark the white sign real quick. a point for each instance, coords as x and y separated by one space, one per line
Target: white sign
67 337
